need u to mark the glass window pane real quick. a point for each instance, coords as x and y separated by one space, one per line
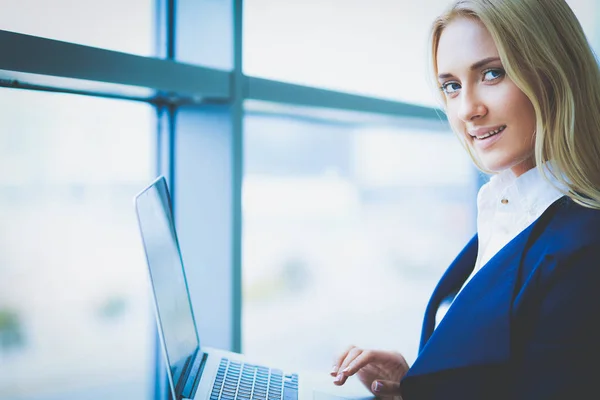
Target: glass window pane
212 22
127 26
378 48
346 230
75 317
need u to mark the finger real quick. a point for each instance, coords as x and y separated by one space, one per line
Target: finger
352 355
340 360
364 358
385 388
340 379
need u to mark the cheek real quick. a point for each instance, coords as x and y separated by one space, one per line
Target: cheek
528 114
524 116
519 106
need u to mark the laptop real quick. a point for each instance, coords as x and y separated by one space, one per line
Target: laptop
207 373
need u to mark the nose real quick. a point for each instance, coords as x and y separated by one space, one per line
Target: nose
471 106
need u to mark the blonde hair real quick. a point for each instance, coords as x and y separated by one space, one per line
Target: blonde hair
546 54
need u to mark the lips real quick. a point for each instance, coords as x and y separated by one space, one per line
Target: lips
486 138
485 132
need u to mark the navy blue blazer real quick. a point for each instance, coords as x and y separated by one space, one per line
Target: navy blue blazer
527 326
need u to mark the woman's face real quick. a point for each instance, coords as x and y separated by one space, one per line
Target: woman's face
482 103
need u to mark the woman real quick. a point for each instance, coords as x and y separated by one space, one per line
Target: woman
521 89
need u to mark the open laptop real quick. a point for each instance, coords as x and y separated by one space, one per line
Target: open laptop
205 373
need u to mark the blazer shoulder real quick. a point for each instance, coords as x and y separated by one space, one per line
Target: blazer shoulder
571 228
567 244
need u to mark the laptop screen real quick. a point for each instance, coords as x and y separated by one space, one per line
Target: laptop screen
165 265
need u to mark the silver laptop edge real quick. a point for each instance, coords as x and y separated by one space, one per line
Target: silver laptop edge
162 199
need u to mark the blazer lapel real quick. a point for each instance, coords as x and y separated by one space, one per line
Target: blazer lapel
476 328
449 284
478 317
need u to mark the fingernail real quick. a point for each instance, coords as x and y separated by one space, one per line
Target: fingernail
334 369
378 386
339 376
346 369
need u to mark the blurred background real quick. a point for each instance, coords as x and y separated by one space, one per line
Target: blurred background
318 191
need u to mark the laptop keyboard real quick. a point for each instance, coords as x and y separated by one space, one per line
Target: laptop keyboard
241 381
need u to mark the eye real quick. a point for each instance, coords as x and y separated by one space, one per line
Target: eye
450 87
492 74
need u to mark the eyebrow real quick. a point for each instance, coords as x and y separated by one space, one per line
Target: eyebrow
473 67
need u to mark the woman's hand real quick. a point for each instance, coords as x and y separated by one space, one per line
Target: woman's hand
380 371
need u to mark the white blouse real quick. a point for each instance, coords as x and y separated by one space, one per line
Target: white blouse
506 205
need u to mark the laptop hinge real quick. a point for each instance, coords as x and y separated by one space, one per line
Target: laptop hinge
193 378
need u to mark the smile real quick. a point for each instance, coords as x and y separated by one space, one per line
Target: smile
490 133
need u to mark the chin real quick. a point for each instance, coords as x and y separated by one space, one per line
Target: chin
495 165
498 165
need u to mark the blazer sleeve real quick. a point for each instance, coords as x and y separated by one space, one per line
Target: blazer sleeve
558 349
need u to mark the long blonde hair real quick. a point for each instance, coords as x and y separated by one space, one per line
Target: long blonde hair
546 54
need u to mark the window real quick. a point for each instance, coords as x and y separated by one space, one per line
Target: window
75 314
126 26
377 48
346 230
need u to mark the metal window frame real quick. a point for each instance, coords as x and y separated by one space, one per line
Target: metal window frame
45 64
